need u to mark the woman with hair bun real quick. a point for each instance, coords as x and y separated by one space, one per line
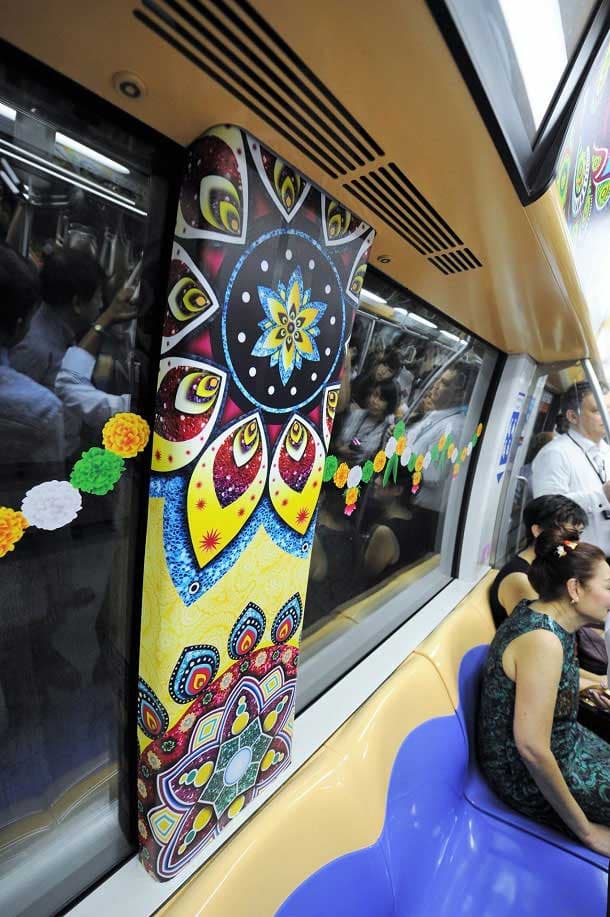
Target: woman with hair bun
532 750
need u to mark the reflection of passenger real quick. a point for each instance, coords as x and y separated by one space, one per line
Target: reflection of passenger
83 402
384 367
394 543
31 423
332 577
363 431
444 406
71 301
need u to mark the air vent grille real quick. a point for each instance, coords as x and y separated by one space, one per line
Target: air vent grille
230 42
389 194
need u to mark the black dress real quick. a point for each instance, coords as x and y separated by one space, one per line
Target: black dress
498 611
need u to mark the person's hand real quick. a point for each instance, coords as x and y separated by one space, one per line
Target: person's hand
597 837
599 696
121 309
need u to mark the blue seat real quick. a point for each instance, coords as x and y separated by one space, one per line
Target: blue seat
441 854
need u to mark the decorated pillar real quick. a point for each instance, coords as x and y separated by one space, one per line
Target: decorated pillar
265 277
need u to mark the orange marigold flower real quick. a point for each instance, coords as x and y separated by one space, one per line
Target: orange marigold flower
419 463
416 479
479 429
401 445
340 476
12 526
441 442
463 454
456 469
379 461
351 496
125 434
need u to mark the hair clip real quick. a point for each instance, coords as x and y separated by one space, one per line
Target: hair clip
561 548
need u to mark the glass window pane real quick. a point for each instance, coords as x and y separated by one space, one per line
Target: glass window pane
405 423
521 51
81 217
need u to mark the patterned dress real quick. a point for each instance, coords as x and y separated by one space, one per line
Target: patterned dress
583 758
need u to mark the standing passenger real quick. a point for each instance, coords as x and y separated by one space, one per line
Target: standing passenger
577 464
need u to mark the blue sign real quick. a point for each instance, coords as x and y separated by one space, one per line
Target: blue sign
510 435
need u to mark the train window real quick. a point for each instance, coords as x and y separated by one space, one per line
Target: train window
526 91
406 419
81 218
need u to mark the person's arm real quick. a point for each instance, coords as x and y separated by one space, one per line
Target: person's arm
513 589
382 551
78 393
551 475
73 383
538 660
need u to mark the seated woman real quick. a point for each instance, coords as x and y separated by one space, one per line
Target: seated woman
511 585
531 748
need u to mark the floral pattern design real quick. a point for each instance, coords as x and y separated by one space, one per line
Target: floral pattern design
290 327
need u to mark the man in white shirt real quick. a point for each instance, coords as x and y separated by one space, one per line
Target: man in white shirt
577 464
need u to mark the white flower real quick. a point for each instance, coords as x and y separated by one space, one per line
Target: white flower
469 448
404 458
390 448
355 476
51 505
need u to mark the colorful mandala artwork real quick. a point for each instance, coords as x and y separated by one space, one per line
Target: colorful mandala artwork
152 715
265 275
195 669
230 744
288 620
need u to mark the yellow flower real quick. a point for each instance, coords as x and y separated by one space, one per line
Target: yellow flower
479 429
419 463
456 469
416 480
351 496
379 461
340 477
441 442
12 526
125 434
463 454
401 445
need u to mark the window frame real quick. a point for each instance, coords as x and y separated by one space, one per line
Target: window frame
530 165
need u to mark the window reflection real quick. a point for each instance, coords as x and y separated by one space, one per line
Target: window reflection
77 271
404 367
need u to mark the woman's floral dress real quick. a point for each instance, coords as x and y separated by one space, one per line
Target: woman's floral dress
583 758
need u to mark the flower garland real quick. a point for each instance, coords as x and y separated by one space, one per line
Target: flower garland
53 504
388 459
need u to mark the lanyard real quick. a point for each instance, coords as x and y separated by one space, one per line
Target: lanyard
602 478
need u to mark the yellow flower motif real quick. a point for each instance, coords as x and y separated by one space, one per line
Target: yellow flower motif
401 445
351 496
379 461
125 434
441 442
141 788
142 829
416 480
450 451
456 469
463 454
419 463
340 476
479 429
12 526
